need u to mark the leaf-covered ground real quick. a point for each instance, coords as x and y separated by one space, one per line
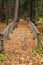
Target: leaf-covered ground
18 50
2 26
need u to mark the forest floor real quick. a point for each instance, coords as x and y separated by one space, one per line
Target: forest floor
2 26
19 48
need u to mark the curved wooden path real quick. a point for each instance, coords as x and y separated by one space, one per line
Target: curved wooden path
20 46
21 39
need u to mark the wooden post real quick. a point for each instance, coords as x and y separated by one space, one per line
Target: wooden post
1 43
38 39
9 34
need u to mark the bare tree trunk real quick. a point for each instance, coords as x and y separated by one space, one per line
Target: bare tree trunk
2 15
31 10
35 6
33 13
16 10
6 7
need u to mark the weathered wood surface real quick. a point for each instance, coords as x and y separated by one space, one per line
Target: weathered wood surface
6 34
35 32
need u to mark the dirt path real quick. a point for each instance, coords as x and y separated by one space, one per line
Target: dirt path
20 47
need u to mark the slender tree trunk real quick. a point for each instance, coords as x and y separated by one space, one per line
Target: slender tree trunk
33 12
35 6
6 8
16 10
2 15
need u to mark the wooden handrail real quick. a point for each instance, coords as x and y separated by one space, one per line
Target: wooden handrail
7 31
35 28
9 28
6 34
34 31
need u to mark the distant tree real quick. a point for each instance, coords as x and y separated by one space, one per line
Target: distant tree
27 8
16 10
33 13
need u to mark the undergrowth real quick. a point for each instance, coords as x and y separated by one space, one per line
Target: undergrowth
2 57
38 49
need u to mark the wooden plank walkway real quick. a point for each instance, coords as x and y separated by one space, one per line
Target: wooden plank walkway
21 38
21 45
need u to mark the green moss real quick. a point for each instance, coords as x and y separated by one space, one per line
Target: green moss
40 47
40 21
2 57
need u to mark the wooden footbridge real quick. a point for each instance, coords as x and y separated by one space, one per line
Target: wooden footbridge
19 32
